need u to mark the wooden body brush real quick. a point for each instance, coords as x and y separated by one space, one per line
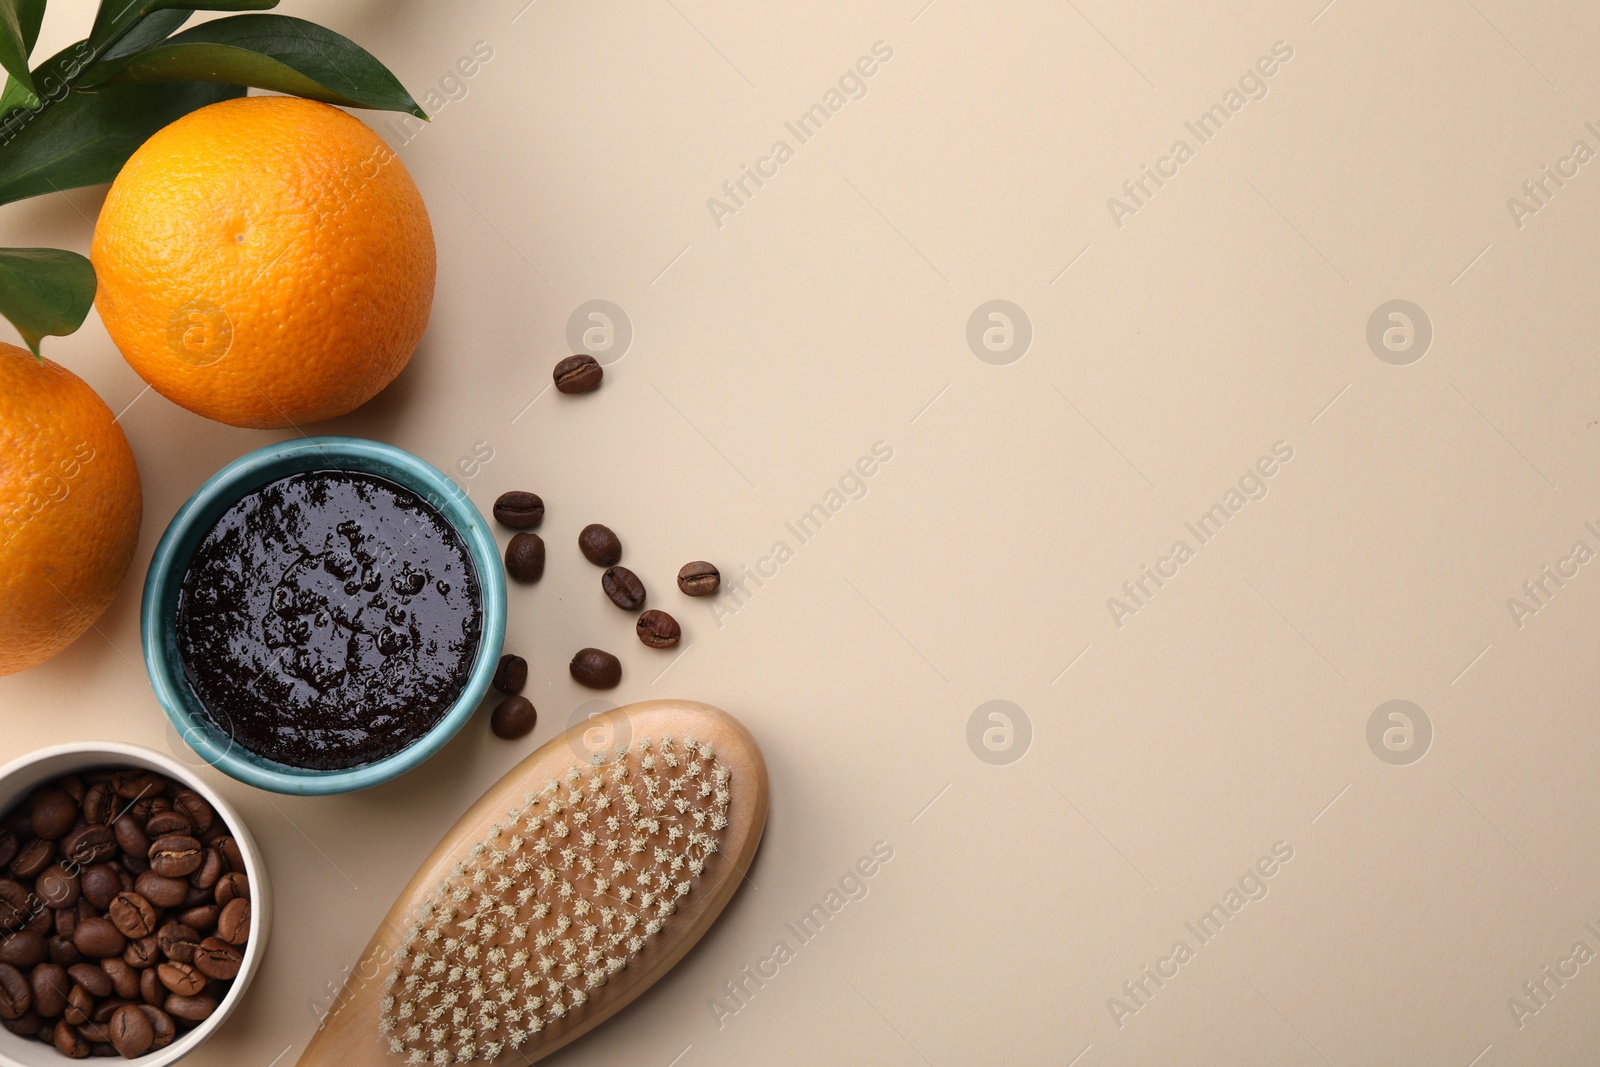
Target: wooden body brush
569 888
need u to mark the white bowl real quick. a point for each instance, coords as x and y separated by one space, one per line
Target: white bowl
21 776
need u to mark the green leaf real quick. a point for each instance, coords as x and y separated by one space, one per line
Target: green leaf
116 17
63 68
19 30
86 138
44 291
276 52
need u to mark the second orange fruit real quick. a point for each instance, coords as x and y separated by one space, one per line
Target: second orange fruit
265 262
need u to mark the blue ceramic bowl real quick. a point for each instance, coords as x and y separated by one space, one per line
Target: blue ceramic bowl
158 613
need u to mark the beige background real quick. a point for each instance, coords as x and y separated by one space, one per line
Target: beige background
828 313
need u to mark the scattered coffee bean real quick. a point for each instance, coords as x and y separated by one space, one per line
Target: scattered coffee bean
117 888
658 629
519 510
577 374
699 578
623 587
511 675
525 557
513 717
595 669
599 545
131 1031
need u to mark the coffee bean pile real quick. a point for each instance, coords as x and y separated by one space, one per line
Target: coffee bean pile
124 913
596 668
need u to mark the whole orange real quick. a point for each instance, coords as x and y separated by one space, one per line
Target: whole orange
69 508
265 261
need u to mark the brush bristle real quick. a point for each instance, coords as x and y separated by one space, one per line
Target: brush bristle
556 899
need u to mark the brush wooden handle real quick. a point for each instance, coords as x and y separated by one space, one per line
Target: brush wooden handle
349 1036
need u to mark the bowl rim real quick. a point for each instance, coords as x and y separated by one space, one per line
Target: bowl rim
251 471
87 754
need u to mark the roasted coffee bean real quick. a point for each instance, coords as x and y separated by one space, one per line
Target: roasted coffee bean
202 918
151 991
24 950
27 1025
175 856
163 823
519 510
131 1031
699 578
142 953
181 978
161 1024
124 979
58 887
35 856
197 895
89 844
211 868
138 785
16 905
160 891
595 669
98 1035
599 545
658 629
52 813
202 816
51 986
8 846
133 915
178 942
66 921
16 996
511 675
134 864
63 953
578 374
99 938
513 717
99 804
215 958
623 587
80 1005
233 886
191 1009
101 884
230 852
69 1042
525 557
73 786
233 924
92 976
131 837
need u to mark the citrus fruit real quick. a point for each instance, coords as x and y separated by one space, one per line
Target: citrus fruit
69 508
265 261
